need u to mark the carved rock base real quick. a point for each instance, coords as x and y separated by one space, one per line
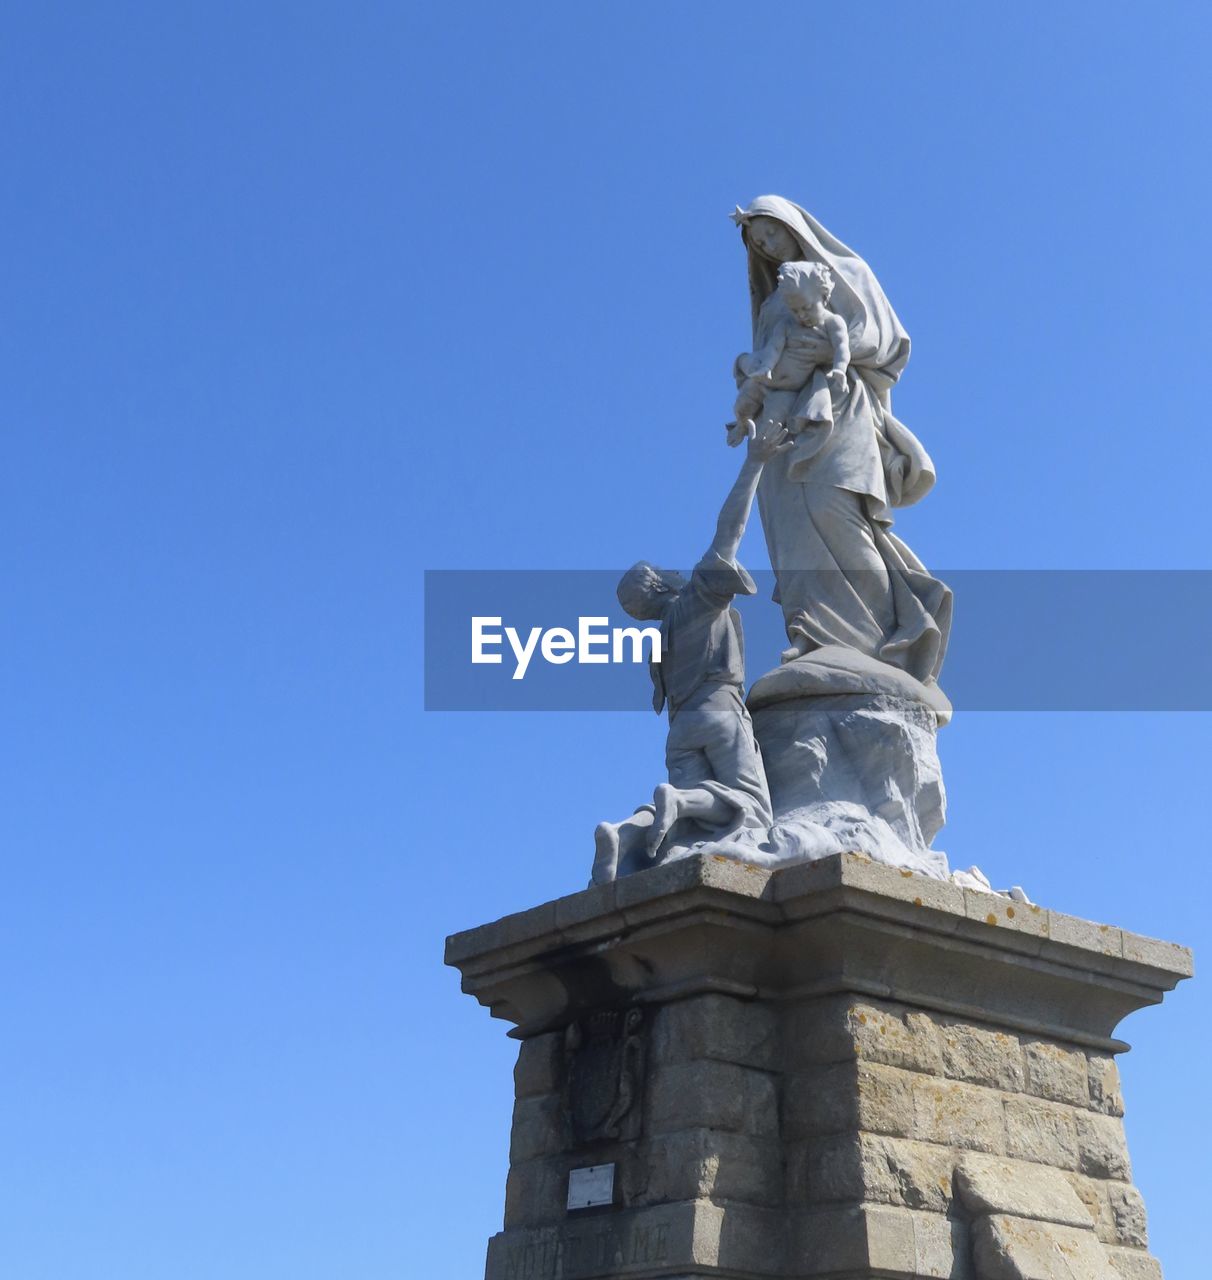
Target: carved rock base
838 1069
853 772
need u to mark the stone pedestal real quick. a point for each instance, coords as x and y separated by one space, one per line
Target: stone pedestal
839 1069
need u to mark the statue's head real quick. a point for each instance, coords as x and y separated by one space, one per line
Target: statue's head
771 238
645 591
804 287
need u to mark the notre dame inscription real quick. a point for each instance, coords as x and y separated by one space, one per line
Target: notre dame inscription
588 1249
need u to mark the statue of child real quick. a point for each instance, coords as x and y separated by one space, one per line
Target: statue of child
791 357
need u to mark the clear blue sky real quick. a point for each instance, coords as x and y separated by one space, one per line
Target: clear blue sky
304 299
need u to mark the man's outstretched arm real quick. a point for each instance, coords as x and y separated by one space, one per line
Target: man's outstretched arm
734 515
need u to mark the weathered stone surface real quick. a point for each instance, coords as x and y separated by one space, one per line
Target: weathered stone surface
891 1246
718 1027
1103 1149
996 909
980 1056
830 1240
958 1115
883 1240
1008 1248
915 1175
1106 1094
817 1032
1087 934
896 1036
1057 1073
885 1100
540 1128
695 1163
859 872
1092 1192
596 903
536 1192
858 1168
534 973
1041 1131
1021 1190
797 1167
740 1236
521 926
826 1171
1128 1214
819 1100
636 895
941 1248
698 1237
1133 1264
1155 952
538 1066
844 1096
713 1095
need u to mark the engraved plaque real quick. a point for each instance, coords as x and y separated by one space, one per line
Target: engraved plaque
591 1186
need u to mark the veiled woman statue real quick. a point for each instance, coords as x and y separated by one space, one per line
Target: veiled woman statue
843 578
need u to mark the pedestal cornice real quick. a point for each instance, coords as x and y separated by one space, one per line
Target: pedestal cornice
842 924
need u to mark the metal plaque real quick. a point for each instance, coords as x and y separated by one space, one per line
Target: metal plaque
591 1186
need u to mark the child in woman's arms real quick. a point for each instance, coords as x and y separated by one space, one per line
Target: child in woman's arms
792 355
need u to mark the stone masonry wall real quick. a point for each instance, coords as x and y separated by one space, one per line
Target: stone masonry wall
882 1103
873 1104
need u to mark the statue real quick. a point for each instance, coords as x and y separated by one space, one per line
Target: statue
843 578
717 784
842 731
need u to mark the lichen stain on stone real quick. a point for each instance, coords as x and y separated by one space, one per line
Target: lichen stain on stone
1010 912
917 902
991 918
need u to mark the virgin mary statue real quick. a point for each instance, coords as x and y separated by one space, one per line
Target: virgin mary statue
844 580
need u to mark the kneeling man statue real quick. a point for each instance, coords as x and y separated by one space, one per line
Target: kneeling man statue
717 785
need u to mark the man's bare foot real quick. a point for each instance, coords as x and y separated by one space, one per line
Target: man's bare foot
665 803
606 853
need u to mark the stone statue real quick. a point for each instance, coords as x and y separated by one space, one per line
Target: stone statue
717 785
843 578
845 725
